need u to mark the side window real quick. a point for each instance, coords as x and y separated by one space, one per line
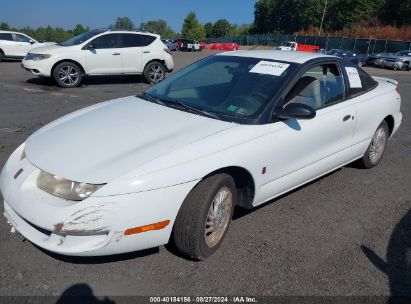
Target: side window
109 41
130 40
22 38
367 83
6 36
319 87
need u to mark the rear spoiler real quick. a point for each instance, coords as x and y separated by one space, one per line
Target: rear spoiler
393 81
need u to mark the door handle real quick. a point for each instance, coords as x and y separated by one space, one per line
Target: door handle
146 52
116 54
346 117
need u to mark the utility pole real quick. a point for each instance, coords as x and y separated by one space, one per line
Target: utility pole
322 18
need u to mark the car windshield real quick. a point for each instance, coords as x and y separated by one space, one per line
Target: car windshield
231 88
81 38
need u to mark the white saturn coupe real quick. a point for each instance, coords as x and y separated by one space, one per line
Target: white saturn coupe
169 165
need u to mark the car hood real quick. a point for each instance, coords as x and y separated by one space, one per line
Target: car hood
50 48
105 141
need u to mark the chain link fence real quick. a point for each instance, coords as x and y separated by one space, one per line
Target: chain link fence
359 45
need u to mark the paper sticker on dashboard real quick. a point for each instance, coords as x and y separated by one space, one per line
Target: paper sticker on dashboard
270 68
353 77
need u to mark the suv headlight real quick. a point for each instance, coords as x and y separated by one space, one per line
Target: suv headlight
64 188
36 57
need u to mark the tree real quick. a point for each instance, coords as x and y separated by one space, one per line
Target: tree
221 28
158 27
192 29
4 26
79 29
208 27
243 29
123 23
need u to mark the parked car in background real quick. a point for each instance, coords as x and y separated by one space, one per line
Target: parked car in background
14 45
357 59
399 61
101 52
171 44
376 59
189 45
295 46
171 164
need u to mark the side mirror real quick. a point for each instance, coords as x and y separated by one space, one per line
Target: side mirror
297 111
90 46
31 41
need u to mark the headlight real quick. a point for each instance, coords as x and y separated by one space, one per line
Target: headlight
36 57
64 188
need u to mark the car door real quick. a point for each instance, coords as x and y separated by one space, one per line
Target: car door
7 44
306 149
132 49
23 44
103 55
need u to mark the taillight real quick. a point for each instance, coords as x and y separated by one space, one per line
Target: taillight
398 90
167 50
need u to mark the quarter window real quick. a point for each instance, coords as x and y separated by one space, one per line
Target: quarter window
319 87
367 83
109 41
6 36
136 40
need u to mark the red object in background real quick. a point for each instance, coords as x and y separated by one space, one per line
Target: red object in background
307 48
225 46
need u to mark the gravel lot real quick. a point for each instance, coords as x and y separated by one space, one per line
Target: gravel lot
348 233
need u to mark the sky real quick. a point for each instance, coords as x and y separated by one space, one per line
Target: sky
101 13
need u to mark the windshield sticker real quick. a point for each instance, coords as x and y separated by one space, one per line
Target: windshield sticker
270 68
353 77
232 108
242 111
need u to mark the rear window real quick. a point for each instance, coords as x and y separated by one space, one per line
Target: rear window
6 36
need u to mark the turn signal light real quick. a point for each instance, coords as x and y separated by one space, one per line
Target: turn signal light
155 226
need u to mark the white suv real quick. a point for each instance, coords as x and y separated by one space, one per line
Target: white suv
15 45
101 52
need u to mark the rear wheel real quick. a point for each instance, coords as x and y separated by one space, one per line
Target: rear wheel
376 149
205 216
154 72
1 56
67 75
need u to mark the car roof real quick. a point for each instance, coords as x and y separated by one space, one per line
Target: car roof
11 32
289 56
130 32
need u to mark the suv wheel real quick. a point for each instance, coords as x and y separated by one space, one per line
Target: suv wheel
67 75
1 56
405 67
154 72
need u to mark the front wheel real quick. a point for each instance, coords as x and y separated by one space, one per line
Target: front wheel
1 56
376 149
154 72
67 75
205 216
405 67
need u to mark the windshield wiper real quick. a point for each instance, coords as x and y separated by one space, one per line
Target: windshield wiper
182 105
151 98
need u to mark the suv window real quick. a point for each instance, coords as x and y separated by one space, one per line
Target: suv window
319 87
22 38
135 40
109 41
6 36
367 82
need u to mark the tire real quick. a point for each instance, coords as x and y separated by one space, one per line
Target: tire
154 72
376 149
359 63
1 56
405 67
67 75
190 235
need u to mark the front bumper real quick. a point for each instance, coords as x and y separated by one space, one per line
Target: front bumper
394 64
91 227
38 68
